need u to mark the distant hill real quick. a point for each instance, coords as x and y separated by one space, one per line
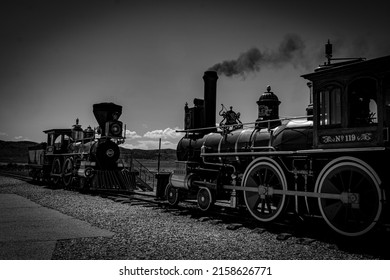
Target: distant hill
165 154
16 152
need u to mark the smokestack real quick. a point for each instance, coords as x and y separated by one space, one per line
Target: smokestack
210 97
104 112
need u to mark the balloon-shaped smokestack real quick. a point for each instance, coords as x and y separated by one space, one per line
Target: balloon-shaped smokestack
105 112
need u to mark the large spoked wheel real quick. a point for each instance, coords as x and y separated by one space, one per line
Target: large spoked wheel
67 172
359 205
56 171
205 199
172 195
264 182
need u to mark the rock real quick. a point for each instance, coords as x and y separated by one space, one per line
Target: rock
233 226
215 222
305 241
259 230
283 236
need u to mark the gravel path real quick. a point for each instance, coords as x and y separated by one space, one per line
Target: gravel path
154 233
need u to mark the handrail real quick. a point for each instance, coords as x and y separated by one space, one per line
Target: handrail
145 174
243 124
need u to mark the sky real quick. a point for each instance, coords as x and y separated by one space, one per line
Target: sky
58 58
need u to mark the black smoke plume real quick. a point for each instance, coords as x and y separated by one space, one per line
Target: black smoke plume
290 50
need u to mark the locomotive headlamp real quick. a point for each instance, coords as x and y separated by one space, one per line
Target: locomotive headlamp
114 128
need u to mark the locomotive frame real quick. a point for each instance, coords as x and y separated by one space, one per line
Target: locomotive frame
328 164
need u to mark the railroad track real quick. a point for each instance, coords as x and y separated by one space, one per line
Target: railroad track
221 213
15 175
187 207
303 231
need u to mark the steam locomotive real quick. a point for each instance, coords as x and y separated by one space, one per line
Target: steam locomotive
84 159
328 163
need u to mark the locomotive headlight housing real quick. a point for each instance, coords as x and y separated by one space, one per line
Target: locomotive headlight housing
114 128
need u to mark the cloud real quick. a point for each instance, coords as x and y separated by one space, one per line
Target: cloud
167 133
3 134
149 145
150 140
18 137
132 134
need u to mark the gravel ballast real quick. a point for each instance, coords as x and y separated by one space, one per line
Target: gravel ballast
155 233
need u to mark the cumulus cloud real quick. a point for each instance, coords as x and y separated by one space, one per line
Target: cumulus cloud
18 137
132 134
150 140
167 133
149 145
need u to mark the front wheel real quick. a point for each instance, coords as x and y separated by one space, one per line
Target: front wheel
172 195
205 199
260 180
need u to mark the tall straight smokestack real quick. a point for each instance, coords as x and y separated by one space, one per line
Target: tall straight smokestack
210 97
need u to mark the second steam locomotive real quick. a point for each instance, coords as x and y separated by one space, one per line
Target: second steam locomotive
327 164
85 159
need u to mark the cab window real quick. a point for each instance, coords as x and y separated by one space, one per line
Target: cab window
386 91
330 106
58 142
362 100
61 142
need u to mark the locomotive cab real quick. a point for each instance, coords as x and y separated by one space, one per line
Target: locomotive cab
351 104
57 140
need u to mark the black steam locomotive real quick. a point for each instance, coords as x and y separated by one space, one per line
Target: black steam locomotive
84 159
331 163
